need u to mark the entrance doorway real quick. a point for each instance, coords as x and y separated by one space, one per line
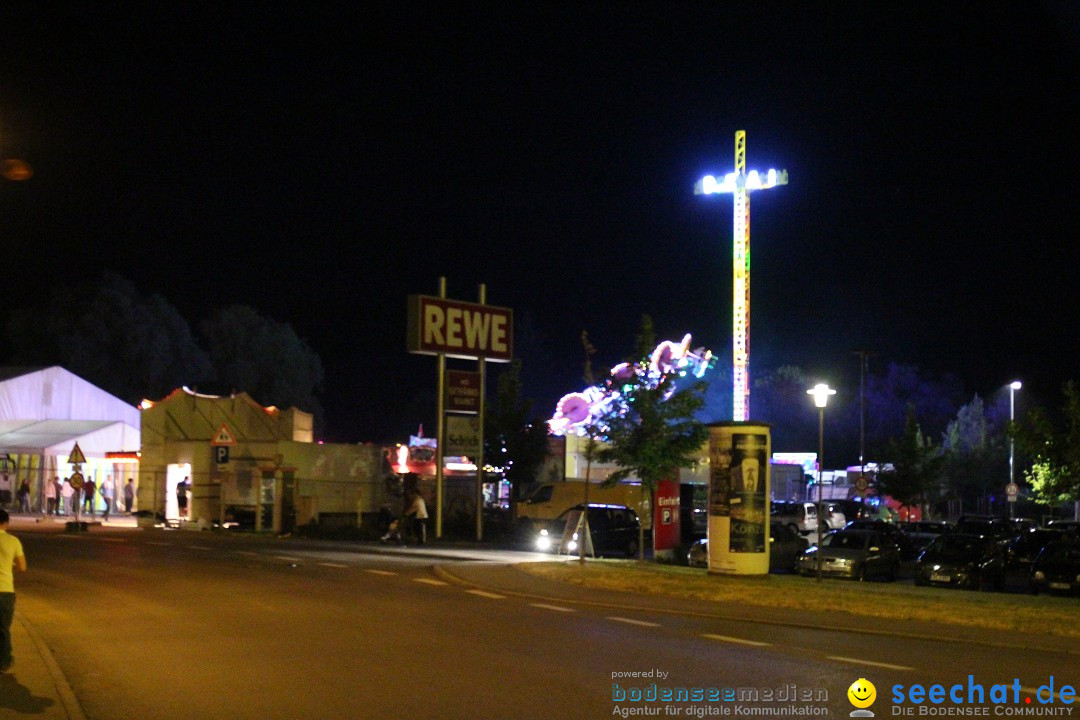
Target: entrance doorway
174 475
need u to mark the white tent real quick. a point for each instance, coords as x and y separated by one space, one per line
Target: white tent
44 412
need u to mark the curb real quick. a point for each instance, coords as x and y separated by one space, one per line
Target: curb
448 576
63 689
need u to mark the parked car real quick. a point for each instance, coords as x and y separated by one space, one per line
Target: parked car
962 560
855 554
920 534
830 516
1000 529
1057 568
800 517
785 547
612 528
889 530
1070 526
1026 546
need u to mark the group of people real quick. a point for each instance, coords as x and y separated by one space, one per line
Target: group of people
63 498
415 513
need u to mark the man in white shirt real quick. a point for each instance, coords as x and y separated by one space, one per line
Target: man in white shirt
11 558
418 509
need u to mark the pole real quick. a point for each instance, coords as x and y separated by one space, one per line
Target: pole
440 428
821 464
480 450
1012 442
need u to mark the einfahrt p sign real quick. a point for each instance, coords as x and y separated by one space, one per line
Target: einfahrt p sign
459 329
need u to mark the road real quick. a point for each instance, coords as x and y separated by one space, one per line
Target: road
185 624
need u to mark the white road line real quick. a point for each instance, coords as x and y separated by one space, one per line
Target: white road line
333 565
557 608
430 581
737 641
631 621
379 572
871 663
249 553
287 558
485 594
199 547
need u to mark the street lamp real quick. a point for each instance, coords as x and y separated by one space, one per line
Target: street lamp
1013 387
821 393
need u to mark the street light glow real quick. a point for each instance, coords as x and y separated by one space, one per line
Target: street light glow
1015 385
821 393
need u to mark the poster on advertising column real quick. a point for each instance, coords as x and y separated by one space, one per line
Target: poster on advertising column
739 498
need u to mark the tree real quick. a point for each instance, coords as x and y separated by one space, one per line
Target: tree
651 431
130 345
974 455
264 358
513 438
915 466
1054 443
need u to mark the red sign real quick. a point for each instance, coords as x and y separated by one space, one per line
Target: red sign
461 330
666 515
462 391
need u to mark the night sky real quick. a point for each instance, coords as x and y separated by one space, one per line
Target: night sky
321 161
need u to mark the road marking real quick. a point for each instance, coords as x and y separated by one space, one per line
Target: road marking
379 572
250 553
631 621
199 547
484 593
557 608
871 663
157 542
429 581
286 558
333 565
737 641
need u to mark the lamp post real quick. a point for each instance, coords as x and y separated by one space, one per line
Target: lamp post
1013 387
821 393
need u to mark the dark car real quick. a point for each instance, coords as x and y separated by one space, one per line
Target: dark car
1000 529
1057 568
920 534
889 530
1026 546
1070 526
785 547
962 560
612 529
855 554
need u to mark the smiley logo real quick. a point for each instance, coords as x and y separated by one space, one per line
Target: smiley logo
862 693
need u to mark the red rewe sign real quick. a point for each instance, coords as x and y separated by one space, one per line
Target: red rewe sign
461 330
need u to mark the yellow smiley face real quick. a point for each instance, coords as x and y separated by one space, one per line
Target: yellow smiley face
862 693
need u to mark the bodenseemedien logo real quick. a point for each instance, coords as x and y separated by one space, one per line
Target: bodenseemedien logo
862 694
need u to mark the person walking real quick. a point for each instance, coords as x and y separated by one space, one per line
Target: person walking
51 496
11 558
418 510
23 496
182 497
107 493
129 495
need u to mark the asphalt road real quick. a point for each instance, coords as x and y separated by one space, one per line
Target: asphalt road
184 624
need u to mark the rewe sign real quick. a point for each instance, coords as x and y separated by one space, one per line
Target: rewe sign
461 330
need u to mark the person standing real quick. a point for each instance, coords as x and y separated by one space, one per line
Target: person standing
11 558
129 495
182 498
418 509
23 497
88 489
107 493
68 494
51 496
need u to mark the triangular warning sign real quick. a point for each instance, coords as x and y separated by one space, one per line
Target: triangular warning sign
223 437
76 457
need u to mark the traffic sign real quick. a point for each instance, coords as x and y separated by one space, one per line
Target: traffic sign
221 454
222 437
1012 490
76 457
76 480
862 485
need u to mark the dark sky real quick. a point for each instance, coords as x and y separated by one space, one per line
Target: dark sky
321 161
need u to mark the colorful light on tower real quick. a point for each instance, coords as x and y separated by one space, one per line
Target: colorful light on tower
740 183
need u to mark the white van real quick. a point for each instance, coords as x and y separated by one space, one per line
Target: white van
551 499
799 516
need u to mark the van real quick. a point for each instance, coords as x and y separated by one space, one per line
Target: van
798 516
552 499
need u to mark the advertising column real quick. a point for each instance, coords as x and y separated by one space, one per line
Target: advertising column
739 497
